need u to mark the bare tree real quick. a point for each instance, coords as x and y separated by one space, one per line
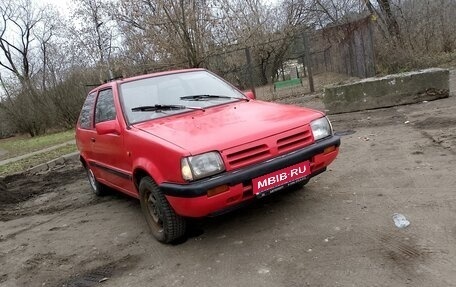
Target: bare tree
390 19
95 33
23 20
387 11
266 30
320 13
175 31
19 22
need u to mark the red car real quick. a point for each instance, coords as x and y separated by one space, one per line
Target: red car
189 144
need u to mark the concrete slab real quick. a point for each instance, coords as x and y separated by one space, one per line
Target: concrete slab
388 91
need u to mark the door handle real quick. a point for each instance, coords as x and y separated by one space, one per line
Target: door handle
92 140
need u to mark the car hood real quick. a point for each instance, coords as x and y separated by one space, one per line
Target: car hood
227 126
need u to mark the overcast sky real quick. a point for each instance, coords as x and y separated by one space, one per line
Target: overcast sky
63 6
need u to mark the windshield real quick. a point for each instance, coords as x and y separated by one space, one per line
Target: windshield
187 90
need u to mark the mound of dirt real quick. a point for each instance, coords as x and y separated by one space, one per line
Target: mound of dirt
2 186
18 188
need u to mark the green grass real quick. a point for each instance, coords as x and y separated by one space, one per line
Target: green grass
17 146
36 159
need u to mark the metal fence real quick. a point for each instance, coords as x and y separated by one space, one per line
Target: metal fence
346 48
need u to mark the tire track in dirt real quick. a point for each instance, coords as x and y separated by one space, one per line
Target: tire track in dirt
31 226
404 255
102 273
440 143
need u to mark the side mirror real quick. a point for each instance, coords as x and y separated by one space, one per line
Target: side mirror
250 94
108 127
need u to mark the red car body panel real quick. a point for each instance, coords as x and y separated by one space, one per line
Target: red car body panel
229 125
202 206
253 138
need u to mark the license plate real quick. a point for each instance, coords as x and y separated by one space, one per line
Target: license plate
281 178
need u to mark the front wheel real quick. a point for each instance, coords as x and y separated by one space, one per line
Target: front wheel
97 188
165 225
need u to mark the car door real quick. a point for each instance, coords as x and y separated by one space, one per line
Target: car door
108 154
85 129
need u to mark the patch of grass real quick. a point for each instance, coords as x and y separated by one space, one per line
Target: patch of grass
36 159
22 145
267 93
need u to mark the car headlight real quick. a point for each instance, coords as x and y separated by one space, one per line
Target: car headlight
203 165
321 128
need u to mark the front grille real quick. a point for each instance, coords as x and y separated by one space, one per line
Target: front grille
294 141
247 156
267 148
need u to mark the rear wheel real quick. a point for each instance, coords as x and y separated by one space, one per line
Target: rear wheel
165 225
97 188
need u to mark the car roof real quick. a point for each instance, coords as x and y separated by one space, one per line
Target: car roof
145 76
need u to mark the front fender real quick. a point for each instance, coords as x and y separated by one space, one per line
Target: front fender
146 165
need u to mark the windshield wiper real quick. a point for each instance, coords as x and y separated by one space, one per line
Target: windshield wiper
157 108
209 97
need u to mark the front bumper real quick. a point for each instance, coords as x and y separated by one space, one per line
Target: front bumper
191 199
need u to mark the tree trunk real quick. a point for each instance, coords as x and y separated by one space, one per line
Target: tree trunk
390 19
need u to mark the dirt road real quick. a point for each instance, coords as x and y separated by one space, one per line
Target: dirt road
337 231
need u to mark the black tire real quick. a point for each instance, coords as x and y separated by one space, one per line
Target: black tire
97 188
165 225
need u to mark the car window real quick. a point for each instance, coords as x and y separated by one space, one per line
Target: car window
171 90
86 118
105 109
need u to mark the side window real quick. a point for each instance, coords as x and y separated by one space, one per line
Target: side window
105 109
86 118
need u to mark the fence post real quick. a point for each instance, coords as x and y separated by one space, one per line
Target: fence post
326 60
249 69
304 67
308 61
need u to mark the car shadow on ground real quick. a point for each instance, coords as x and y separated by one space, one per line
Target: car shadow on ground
254 209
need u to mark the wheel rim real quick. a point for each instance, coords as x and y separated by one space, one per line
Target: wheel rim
92 180
154 211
